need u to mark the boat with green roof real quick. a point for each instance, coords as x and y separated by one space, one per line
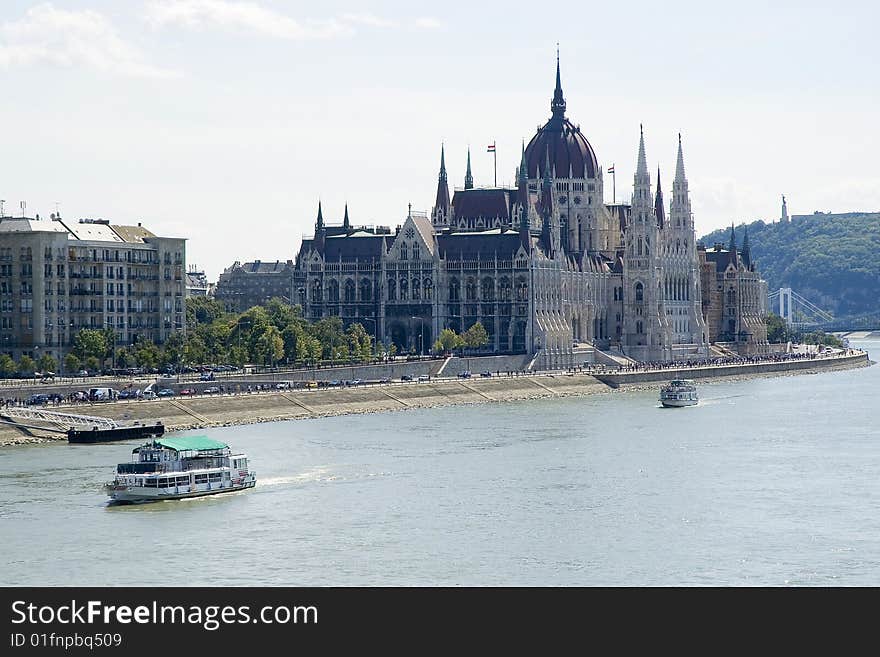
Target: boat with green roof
180 467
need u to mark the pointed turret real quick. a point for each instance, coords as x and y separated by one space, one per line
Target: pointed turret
731 244
642 166
468 177
746 249
659 212
679 164
557 105
320 231
346 224
441 203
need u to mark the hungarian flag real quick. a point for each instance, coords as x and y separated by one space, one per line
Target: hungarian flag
491 148
611 169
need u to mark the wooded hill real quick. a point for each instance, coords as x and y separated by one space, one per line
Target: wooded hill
831 259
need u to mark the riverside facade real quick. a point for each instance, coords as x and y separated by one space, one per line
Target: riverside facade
59 276
547 267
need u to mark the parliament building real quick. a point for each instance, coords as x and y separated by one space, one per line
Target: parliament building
547 267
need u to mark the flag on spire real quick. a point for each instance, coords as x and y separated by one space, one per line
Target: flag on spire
611 169
491 148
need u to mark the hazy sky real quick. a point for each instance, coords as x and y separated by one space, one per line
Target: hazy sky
225 121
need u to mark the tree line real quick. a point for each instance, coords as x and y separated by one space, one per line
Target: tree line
263 335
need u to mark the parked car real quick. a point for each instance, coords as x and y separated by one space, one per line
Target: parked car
149 394
424 377
406 377
311 384
486 374
82 373
206 376
284 385
187 391
101 394
213 390
464 375
166 392
36 400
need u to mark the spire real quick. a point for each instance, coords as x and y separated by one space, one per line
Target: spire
441 203
319 224
557 105
679 165
732 245
547 166
468 177
523 167
658 203
345 222
746 249
642 168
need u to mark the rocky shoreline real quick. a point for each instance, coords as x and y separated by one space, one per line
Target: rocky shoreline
183 414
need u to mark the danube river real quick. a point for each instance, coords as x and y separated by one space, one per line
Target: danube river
769 481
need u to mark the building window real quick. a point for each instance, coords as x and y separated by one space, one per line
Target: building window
640 293
392 289
349 291
333 291
454 290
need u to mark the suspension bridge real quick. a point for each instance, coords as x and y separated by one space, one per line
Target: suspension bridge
799 312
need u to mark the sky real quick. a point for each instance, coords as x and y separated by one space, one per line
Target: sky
225 121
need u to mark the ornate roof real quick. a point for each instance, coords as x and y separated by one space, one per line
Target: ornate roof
570 154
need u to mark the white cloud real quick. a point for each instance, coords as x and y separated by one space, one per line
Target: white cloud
428 23
69 38
248 16
369 20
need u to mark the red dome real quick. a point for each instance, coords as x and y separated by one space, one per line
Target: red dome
569 151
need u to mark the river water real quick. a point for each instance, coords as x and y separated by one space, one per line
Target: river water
771 481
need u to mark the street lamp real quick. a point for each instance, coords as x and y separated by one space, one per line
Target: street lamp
421 333
375 335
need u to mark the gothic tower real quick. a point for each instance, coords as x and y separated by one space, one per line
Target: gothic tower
643 337
681 280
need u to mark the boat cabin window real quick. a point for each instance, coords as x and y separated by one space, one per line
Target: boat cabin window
215 476
201 479
182 481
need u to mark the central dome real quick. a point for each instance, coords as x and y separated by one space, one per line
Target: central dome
569 152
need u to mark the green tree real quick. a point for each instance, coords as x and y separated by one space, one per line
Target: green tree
26 365
360 344
7 366
777 330
124 358
449 341
201 310
269 346
173 350
92 364
47 364
146 353
476 337
72 363
90 343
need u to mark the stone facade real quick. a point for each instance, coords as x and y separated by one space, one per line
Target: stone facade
242 286
58 276
544 266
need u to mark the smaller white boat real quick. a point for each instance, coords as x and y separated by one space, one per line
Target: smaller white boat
680 392
176 468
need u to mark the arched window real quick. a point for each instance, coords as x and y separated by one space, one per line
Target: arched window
349 291
471 290
639 327
429 289
640 293
317 291
487 289
403 252
522 289
416 289
454 290
415 251
366 290
504 289
333 289
392 289
404 289
639 250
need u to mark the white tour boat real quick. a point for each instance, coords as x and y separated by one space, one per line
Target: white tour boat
681 392
174 468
